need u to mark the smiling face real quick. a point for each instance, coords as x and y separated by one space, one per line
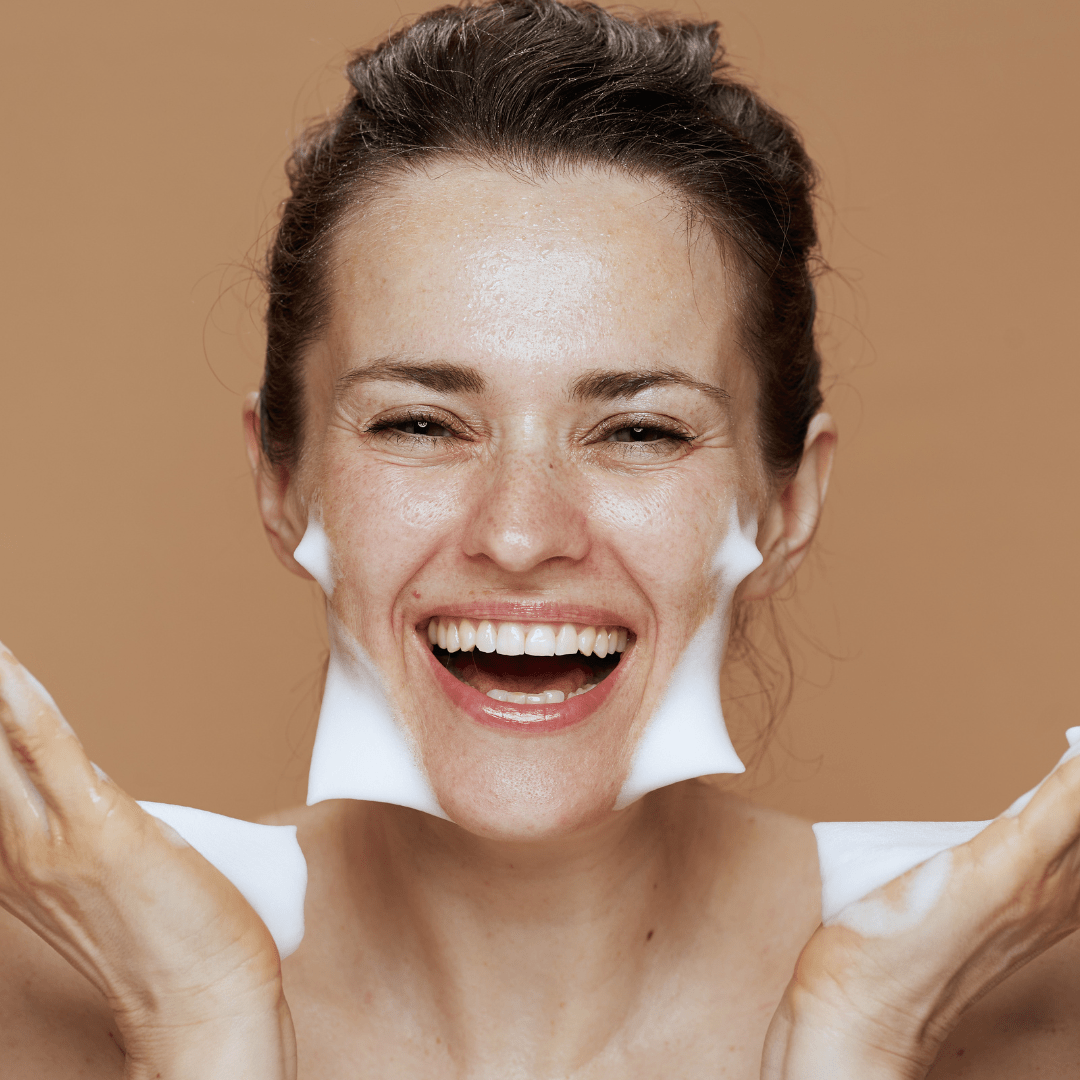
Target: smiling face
528 423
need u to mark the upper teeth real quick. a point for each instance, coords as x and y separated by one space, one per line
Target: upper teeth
529 639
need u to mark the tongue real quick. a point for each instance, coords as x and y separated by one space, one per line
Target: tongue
520 674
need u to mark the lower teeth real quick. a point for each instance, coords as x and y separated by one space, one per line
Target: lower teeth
546 698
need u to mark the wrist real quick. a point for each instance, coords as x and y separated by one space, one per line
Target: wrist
812 1040
236 1045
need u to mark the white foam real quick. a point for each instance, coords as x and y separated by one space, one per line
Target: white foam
264 862
857 857
687 735
361 750
876 916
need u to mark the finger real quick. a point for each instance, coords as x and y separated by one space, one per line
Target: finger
40 744
22 809
1030 839
1050 821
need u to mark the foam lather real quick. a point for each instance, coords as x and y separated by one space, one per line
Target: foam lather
857 857
264 862
363 751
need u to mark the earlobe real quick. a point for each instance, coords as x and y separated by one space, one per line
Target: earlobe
283 527
793 514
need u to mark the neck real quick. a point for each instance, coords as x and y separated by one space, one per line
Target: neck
504 945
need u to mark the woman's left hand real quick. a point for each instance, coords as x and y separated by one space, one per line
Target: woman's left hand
876 992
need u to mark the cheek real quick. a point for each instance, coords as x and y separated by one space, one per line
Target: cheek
386 522
666 531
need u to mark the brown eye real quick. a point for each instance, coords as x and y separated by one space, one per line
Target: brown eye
639 434
421 427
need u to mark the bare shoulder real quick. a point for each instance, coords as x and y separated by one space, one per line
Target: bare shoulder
53 1023
1028 1026
777 851
762 864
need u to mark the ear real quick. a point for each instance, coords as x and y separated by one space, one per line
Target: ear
794 512
281 515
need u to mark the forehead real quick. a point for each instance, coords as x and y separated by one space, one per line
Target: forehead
577 270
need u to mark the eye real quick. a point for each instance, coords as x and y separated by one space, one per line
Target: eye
421 429
419 426
639 433
640 437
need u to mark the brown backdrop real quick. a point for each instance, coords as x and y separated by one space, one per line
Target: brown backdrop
142 148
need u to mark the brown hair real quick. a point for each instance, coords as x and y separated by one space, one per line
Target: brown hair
536 86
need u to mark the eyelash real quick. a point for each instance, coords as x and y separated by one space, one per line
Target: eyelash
668 434
388 427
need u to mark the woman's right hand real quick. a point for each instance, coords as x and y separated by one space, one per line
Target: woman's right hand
190 971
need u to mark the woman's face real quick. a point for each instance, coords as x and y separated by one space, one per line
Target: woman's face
529 411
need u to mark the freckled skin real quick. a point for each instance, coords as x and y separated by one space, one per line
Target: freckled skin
533 286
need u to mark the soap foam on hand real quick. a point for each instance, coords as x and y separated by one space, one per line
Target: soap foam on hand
857 857
264 862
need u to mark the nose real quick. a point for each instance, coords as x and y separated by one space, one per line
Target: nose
530 511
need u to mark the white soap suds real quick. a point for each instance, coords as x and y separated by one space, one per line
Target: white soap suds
857 857
687 736
877 916
314 555
264 862
361 750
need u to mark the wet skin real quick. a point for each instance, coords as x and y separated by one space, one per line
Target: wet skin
531 404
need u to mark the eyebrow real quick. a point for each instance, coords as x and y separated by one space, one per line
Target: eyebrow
608 385
600 385
441 376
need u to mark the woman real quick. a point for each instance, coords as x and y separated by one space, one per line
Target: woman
541 404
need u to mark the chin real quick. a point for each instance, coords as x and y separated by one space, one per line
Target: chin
528 793
531 741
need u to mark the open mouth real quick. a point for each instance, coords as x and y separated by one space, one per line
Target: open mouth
526 663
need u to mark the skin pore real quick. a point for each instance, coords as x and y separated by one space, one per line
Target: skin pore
575 352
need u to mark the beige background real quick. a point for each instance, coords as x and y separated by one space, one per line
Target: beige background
142 148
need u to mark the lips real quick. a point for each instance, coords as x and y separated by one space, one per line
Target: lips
526 719
524 675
